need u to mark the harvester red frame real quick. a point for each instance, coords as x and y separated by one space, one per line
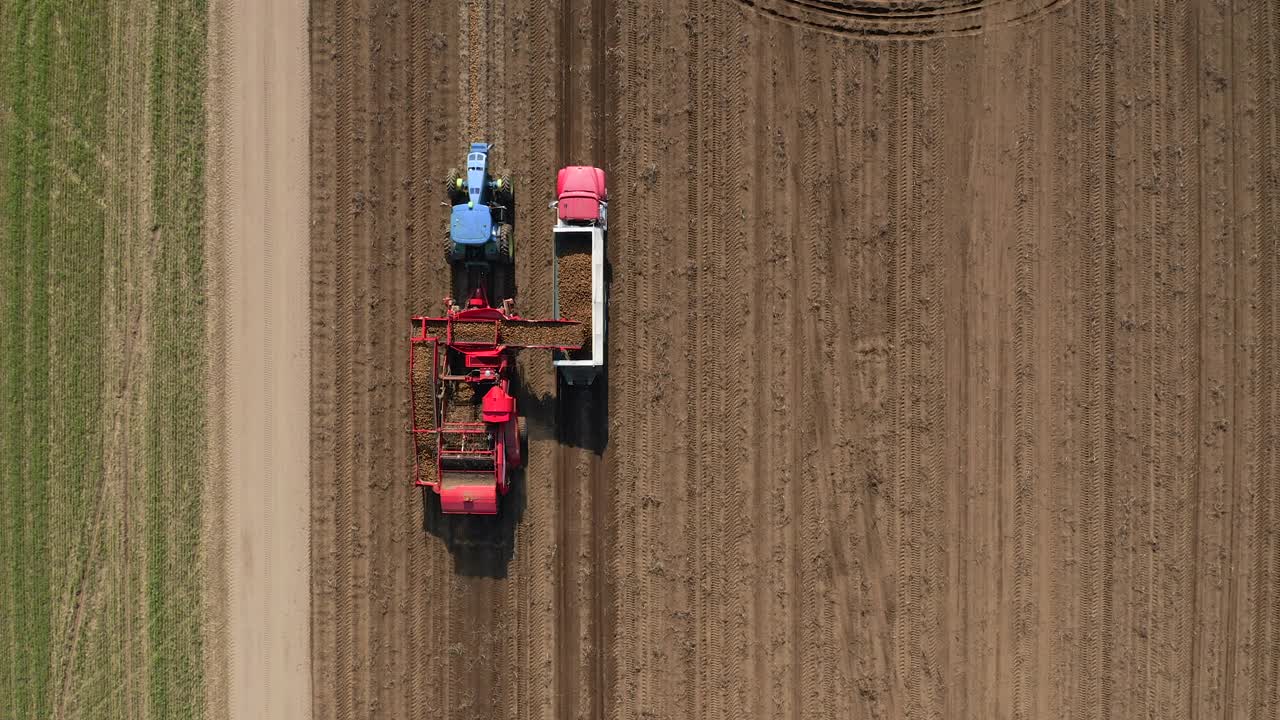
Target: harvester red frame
471 460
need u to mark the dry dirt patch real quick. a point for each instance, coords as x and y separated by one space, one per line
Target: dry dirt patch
259 250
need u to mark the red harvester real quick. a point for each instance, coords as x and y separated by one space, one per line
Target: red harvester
465 427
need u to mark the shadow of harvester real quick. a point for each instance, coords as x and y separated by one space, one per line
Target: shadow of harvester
481 545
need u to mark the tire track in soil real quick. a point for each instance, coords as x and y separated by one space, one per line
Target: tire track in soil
842 114
807 174
906 205
600 464
1137 586
735 518
1182 302
1217 491
1235 613
568 649
852 337
359 361
1048 425
1168 239
1064 125
675 560
818 415
878 683
933 402
1253 272
1099 383
762 499
657 369
349 102
786 451
706 468
1132 361
327 160
754 663
1263 691
696 483
389 502
874 19
623 501
269 389
633 375
1024 406
1159 476
580 458
765 492
616 566
418 226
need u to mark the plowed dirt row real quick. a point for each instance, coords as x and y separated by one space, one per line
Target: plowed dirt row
941 379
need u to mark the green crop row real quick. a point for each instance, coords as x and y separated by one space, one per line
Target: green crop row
24 360
101 425
175 414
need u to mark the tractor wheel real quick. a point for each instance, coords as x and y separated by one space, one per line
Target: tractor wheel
455 186
504 192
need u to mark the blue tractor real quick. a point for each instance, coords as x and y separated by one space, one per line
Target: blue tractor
480 226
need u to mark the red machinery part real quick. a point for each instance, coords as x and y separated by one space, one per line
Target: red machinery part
579 191
470 499
497 406
471 477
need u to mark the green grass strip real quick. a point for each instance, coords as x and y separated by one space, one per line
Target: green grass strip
83 602
24 357
175 425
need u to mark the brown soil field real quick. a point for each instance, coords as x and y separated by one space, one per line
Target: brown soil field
942 375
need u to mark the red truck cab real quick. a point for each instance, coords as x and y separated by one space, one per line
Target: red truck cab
581 197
